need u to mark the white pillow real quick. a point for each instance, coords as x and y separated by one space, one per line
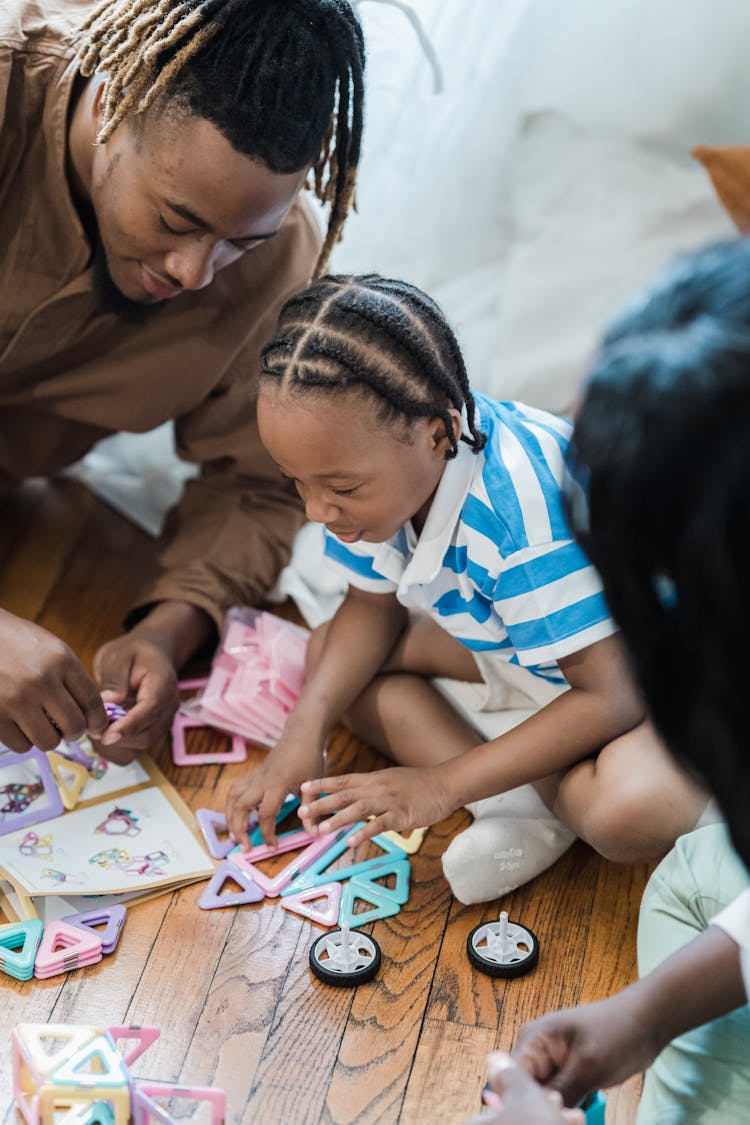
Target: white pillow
593 220
673 73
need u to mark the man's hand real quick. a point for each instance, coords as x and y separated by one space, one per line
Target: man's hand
135 671
515 1098
400 798
266 788
45 695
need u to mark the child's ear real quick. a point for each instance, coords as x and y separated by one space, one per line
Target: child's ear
441 442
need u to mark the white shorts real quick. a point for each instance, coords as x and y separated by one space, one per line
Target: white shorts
507 695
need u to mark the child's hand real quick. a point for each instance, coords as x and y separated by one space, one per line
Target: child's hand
400 798
582 1049
266 788
517 1097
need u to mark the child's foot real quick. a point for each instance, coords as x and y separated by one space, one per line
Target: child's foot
497 854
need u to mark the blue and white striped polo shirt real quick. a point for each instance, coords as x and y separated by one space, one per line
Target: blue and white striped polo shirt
495 564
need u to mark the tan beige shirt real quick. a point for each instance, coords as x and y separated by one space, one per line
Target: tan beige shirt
72 373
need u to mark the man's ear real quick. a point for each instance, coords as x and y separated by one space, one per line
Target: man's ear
441 441
97 106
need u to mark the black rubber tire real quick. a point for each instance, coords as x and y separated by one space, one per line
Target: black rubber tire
492 968
344 980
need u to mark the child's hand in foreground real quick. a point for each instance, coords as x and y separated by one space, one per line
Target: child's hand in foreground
582 1049
400 798
265 789
518 1098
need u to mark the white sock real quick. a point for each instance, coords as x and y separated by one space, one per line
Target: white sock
497 854
523 802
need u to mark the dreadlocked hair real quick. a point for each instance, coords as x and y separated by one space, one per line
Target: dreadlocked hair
282 80
387 338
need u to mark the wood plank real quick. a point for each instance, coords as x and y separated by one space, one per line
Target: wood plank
42 526
449 1072
384 1025
557 906
233 1035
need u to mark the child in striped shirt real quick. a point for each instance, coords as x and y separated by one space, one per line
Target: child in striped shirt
444 510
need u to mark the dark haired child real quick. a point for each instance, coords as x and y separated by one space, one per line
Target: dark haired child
662 432
444 510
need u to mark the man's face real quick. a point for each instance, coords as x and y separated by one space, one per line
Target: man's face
175 203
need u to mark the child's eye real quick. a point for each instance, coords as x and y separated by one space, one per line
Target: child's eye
345 491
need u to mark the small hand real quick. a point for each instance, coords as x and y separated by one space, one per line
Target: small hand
45 694
267 787
582 1049
516 1097
400 798
136 672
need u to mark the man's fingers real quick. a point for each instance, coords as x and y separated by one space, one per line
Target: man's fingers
13 737
65 715
84 691
118 755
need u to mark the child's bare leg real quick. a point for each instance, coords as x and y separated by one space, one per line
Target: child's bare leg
632 801
406 718
400 713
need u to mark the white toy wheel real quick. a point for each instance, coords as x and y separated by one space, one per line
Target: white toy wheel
344 958
502 948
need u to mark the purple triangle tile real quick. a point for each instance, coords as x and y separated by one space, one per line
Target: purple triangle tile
211 898
113 916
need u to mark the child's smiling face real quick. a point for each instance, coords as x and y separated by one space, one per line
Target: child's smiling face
360 476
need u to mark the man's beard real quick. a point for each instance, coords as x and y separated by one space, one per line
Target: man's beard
132 312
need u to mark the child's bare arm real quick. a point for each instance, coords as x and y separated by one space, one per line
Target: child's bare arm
601 1044
357 642
602 704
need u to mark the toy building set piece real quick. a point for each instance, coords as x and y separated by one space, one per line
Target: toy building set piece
180 755
58 1067
30 793
256 676
226 872
411 842
320 871
318 904
594 1106
71 778
65 947
19 943
502 948
313 847
111 917
345 959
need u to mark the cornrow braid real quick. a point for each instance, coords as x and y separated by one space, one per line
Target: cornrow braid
282 81
384 336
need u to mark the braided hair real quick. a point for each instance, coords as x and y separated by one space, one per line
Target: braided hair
282 80
385 337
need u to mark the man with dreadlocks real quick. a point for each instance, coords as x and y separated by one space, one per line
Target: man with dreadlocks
151 159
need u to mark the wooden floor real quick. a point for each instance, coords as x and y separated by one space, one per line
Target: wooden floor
230 988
